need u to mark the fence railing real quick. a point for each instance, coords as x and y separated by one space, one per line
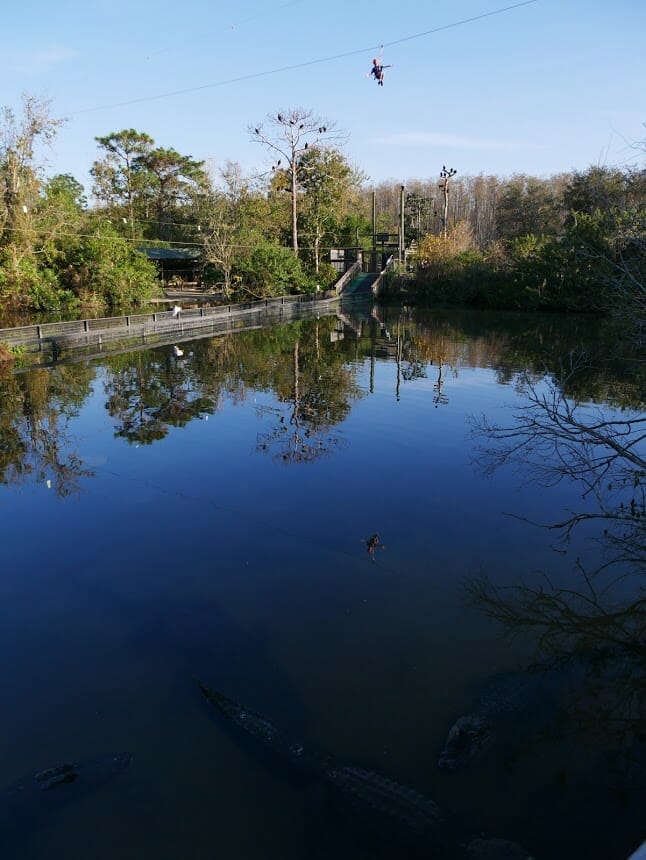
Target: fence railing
349 276
106 328
380 277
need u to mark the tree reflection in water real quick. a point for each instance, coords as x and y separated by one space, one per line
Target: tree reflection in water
153 392
554 439
35 444
315 391
598 620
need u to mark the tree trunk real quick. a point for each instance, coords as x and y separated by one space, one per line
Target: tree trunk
317 246
294 214
446 206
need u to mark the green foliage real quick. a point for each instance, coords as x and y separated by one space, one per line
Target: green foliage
149 191
590 258
328 184
602 189
325 278
46 294
271 270
25 283
528 205
66 187
108 268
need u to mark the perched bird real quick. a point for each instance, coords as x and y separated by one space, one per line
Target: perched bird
178 353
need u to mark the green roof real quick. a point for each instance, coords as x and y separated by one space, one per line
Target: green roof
154 253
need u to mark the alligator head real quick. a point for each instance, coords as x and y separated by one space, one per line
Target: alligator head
468 738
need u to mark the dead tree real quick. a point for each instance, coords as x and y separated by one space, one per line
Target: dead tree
292 133
445 175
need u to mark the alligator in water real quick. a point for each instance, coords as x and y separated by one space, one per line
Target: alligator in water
509 701
35 795
370 792
391 810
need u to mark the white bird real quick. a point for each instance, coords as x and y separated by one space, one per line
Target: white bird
178 352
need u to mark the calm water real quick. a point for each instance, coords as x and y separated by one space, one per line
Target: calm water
169 518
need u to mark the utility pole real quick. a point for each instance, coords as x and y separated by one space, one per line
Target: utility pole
401 224
374 231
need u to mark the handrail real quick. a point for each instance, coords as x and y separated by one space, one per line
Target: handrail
348 277
377 284
89 329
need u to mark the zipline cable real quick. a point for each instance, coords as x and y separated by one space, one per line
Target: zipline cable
294 66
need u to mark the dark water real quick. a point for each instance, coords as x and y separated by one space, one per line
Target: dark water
206 516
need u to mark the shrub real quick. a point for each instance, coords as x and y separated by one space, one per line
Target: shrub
271 270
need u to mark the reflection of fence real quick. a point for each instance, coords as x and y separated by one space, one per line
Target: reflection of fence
95 332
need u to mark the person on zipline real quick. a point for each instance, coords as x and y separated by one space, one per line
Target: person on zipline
377 72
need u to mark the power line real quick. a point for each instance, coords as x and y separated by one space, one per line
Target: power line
294 66
147 242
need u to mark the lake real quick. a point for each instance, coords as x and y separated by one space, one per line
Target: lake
346 524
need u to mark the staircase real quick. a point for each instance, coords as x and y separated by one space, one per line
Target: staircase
361 285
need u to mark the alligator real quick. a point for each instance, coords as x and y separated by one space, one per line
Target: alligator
508 700
47 789
403 818
262 730
401 811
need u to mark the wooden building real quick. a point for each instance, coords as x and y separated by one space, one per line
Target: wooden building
181 267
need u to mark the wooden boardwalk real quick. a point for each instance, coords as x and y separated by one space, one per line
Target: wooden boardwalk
52 343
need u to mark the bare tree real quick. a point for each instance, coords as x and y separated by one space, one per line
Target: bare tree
219 247
19 186
227 216
291 133
630 274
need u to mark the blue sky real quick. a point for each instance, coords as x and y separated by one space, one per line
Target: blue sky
543 88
